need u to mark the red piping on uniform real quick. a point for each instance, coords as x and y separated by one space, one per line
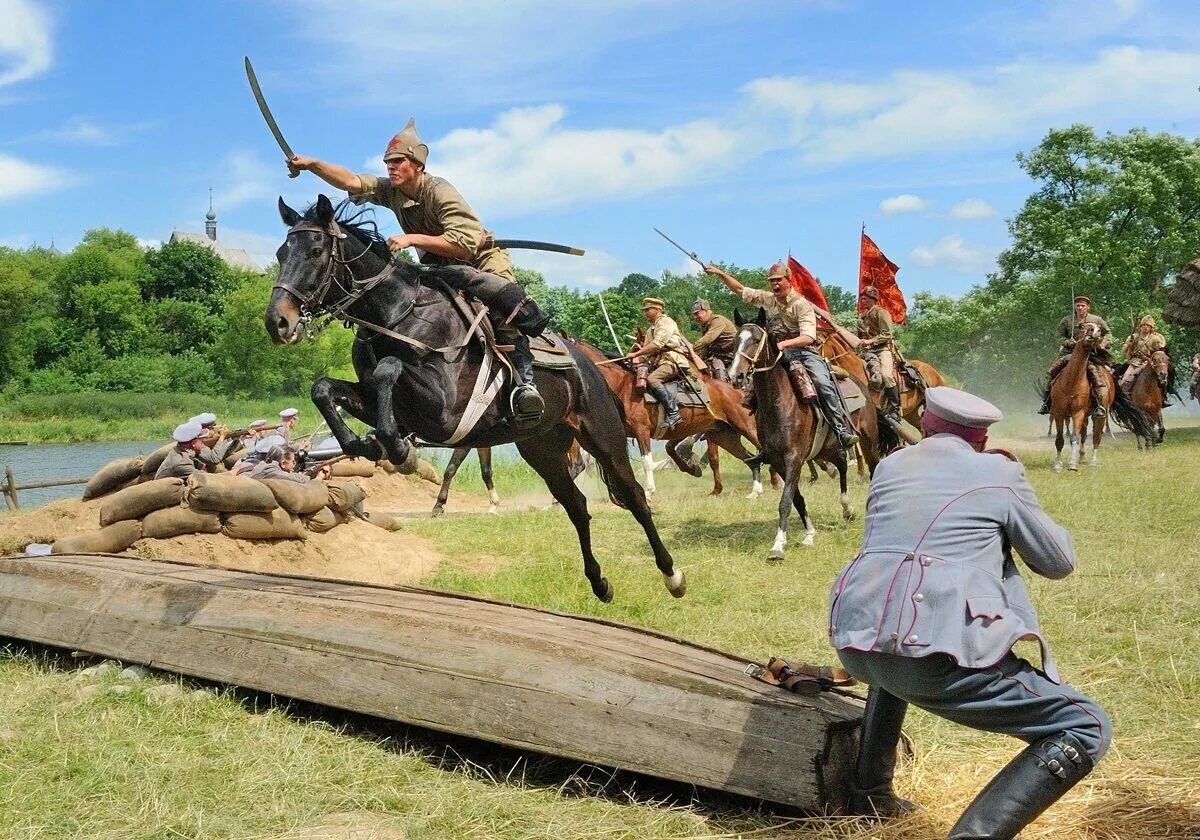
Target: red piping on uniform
1070 700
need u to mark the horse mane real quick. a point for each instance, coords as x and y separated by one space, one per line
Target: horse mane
359 221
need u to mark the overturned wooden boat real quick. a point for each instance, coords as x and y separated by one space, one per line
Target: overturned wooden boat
582 688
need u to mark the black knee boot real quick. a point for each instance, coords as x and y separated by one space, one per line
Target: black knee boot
871 794
892 395
1028 785
666 398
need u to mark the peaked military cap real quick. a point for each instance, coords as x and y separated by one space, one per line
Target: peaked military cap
700 304
407 144
187 432
961 408
871 292
257 424
1149 319
648 302
205 419
1083 298
288 413
779 270
266 443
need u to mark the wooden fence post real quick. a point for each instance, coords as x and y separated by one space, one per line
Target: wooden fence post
10 490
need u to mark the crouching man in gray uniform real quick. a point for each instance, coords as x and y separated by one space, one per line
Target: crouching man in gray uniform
929 610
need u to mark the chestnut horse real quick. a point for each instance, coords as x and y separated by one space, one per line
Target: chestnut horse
724 423
1071 401
1147 394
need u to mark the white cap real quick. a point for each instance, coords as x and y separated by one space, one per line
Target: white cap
187 432
257 424
961 408
205 419
270 440
288 413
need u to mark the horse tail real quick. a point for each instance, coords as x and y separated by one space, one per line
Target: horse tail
1128 416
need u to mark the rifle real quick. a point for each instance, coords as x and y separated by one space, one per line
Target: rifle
243 432
308 461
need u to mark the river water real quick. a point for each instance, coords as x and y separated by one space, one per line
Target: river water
46 461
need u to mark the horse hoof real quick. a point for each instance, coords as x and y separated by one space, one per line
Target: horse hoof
438 510
807 542
695 472
775 555
676 584
1073 467
848 515
603 591
1058 468
716 491
494 512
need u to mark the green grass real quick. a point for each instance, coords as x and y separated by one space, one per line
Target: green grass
70 418
1123 628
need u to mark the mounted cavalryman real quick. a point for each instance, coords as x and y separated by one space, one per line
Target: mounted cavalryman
877 348
792 324
718 342
1146 347
1070 330
664 345
442 227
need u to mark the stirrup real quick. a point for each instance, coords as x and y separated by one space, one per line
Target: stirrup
526 405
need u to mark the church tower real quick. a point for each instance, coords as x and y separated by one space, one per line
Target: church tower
210 223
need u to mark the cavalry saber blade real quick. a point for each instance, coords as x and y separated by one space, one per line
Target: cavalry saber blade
531 245
690 254
266 112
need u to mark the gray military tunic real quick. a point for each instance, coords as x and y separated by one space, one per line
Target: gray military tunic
178 464
930 608
269 469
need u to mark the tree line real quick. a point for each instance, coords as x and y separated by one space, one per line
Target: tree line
1112 216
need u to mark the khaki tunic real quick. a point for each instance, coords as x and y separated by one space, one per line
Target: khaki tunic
1142 347
664 334
719 339
177 464
874 323
438 210
794 317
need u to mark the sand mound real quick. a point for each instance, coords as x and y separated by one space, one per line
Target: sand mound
356 551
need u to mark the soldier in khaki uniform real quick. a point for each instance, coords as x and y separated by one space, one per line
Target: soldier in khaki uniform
718 343
664 344
875 333
1070 330
1145 347
438 222
792 323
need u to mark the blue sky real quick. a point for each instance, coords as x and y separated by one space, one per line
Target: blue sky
745 130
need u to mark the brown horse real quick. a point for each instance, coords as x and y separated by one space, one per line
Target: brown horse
1147 394
865 420
723 424
1070 401
786 427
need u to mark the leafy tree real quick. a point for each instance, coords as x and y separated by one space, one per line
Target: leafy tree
637 286
185 271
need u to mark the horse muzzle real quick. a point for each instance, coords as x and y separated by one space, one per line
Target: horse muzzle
283 318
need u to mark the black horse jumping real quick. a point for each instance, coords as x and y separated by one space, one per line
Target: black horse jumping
417 359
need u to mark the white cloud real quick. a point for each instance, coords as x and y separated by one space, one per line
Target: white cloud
147 244
911 112
906 203
20 178
596 269
246 178
529 161
954 254
972 208
24 41
82 131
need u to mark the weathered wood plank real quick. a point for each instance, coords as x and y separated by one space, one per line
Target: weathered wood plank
581 688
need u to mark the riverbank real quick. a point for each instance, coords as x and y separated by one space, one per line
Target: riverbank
110 417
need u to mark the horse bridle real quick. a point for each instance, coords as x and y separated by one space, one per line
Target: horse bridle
752 360
312 308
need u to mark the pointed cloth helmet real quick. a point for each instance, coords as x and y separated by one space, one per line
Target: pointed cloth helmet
407 144
779 270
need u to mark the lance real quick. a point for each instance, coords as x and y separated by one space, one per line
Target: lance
608 321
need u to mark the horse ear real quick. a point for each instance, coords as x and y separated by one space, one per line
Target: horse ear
761 320
289 216
738 321
324 210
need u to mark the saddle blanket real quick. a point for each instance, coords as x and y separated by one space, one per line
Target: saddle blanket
694 395
851 394
551 352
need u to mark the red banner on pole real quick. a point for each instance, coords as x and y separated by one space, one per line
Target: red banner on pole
807 285
875 269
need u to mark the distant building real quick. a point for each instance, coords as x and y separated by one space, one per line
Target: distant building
236 257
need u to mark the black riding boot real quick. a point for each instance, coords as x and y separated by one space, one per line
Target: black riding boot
892 398
1045 409
1098 409
871 793
1028 785
666 399
527 403
830 399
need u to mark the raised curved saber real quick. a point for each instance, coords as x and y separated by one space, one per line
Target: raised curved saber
531 245
266 112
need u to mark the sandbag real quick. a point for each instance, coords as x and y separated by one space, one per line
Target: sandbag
173 522
298 497
344 495
353 468
276 525
382 520
324 520
228 494
116 537
428 472
112 476
154 461
135 502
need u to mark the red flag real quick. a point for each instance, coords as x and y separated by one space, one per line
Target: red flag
874 269
807 285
